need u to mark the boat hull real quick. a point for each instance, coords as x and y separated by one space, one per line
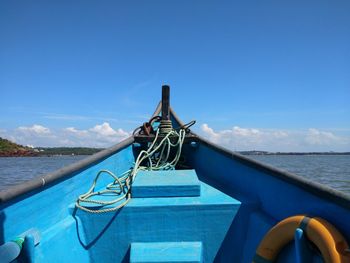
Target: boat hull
240 200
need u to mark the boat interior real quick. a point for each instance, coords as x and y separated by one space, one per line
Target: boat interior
216 207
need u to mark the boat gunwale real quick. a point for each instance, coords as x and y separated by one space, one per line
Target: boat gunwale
315 188
43 181
36 183
66 171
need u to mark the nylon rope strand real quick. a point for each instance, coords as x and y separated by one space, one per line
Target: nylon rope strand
156 156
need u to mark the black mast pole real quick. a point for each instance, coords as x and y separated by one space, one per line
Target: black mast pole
165 102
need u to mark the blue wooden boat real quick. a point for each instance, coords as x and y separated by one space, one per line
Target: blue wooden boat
209 205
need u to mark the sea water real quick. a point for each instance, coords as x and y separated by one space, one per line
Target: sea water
330 170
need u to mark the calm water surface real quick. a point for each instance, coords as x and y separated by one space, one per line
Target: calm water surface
15 170
331 170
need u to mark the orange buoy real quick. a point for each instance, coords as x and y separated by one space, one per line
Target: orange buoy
325 237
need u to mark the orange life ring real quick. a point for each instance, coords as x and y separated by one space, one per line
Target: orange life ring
325 237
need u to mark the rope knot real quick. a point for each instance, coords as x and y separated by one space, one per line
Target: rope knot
165 126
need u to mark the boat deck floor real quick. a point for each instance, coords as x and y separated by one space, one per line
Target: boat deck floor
108 237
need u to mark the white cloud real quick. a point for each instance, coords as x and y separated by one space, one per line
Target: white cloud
38 129
101 135
209 132
316 137
104 129
31 135
75 131
240 139
236 138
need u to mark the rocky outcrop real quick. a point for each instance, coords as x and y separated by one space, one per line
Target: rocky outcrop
11 149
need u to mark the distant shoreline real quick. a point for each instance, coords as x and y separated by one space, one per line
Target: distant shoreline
71 151
11 149
291 153
50 152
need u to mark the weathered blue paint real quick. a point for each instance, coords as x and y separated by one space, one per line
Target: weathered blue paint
266 199
47 209
166 183
205 218
239 201
166 252
74 235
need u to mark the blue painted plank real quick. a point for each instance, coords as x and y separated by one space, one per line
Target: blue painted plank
166 252
170 183
205 218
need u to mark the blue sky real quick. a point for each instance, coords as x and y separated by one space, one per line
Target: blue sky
266 75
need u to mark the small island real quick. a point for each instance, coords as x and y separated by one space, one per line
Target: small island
11 149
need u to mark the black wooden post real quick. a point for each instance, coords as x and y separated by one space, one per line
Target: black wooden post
165 102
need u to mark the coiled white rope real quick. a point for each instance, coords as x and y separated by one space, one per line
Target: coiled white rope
165 126
157 158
